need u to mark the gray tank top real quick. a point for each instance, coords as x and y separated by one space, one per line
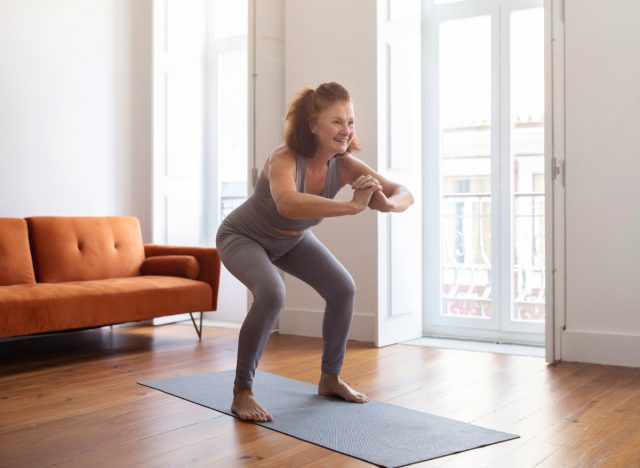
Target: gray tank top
264 204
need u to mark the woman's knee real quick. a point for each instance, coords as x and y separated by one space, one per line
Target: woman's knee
270 297
343 289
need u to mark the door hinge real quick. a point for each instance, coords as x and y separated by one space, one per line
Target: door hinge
557 169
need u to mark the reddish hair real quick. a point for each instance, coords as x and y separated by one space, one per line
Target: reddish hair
304 110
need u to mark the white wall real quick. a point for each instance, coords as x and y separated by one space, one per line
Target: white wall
75 138
334 40
602 156
602 189
75 126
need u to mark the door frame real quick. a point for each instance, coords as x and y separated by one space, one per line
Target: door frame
555 150
554 200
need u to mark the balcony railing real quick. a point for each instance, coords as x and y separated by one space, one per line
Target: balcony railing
466 267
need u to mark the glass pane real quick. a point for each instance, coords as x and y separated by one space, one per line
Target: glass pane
465 152
232 128
231 18
185 26
527 152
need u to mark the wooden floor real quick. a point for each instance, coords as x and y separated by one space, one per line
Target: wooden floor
72 400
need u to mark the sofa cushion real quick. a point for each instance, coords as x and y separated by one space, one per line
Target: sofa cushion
85 248
184 266
44 307
16 266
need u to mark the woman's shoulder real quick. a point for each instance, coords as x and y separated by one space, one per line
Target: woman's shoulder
347 161
282 151
281 156
351 167
345 166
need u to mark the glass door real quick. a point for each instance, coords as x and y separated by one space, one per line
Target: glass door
484 225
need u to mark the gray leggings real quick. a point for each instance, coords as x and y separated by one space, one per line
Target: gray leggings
249 250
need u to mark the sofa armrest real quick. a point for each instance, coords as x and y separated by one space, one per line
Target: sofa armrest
207 258
185 266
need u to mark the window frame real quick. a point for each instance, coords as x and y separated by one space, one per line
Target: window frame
500 326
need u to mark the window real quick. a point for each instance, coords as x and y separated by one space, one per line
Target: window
485 84
200 126
229 73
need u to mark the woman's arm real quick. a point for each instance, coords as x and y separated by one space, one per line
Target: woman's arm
295 205
399 200
392 198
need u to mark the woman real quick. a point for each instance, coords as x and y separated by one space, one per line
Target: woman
294 192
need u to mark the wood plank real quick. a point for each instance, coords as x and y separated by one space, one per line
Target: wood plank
73 400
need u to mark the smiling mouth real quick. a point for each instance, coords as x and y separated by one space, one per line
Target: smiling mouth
342 140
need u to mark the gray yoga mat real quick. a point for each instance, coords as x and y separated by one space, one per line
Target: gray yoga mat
376 432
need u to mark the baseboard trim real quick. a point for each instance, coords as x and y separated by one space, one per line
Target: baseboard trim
601 348
309 323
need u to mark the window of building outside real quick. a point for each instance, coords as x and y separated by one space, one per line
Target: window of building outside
487 59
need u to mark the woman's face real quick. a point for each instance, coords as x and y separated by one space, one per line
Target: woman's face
334 128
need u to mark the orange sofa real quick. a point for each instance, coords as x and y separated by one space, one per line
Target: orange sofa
63 273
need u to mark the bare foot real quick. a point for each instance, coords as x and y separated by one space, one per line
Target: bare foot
332 385
247 408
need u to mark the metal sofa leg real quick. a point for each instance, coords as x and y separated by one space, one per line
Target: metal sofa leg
198 329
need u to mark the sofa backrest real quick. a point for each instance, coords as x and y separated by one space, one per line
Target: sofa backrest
85 248
16 266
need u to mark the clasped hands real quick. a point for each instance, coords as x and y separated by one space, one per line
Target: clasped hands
368 192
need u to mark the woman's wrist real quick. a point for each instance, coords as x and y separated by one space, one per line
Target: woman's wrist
353 208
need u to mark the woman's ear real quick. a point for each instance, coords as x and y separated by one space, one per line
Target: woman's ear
312 127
